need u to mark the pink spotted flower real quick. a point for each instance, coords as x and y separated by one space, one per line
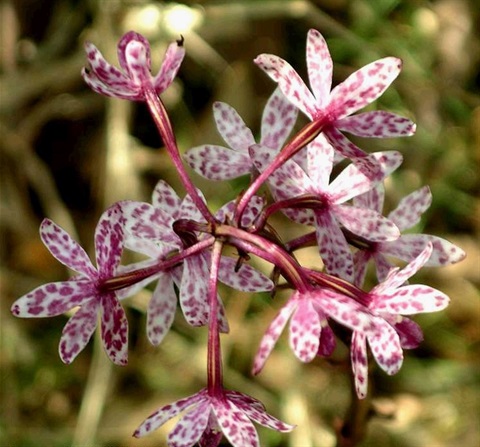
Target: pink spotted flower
84 290
309 332
335 107
391 331
150 232
312 198
221 163
134 57
409 245
209 418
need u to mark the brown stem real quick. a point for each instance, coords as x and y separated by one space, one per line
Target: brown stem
352 432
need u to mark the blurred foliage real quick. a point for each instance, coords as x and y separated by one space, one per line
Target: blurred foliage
67 153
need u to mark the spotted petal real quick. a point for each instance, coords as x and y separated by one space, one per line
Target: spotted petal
305 329
363 86
78 331
320 67
109 240
271 335
410 300
353 180
161 309
290 83
167 412
386 347
377 124
169 68
54 298
398 277
410 209
235 425
188 431
246 279
165 198
333 247
232 128
359 359
278 119
114 329
66 249
255 411
137 61
366 223
218 162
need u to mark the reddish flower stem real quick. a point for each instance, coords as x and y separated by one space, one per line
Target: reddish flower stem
300 140
130 278
164 126
214 356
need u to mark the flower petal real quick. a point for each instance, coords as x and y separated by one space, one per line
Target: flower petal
271 335
54 298
114 329
191 426
366 223
137 60
358 355
360 261
345 148
165 198
109 237
170 66
410 209
305 331
372 199
290 83
410 300
353 180
232 128
194 290
167 412
253 209
320 162
218 162
161 309
333 247
320 67
105 78
363 86
410 333
398 277
278 119
122 48
66 249
78 331
377 124
246 279
386 348
235 425
255 411
343 309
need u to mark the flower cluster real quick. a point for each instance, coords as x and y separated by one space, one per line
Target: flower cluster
183 240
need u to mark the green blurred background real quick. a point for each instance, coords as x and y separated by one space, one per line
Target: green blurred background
67 153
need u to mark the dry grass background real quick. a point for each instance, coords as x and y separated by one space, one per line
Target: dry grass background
67 153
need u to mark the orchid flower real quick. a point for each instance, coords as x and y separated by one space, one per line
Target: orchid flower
209 417
324 201
220 163
408 246
388 302
309 333
85 289
134 57
150 229
334 107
